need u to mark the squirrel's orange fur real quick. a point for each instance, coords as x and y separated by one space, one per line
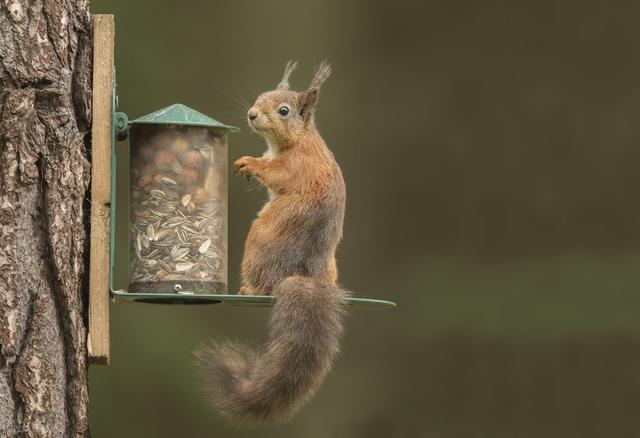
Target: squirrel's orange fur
289 253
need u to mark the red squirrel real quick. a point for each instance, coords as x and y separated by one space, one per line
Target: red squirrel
290 254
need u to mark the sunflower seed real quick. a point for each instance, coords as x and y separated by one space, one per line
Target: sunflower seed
174 221
168 181
180 253
205 246
165 266
183 266
151 233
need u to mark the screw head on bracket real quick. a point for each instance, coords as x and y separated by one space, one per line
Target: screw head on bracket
121 125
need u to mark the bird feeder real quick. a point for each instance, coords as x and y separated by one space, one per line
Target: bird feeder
177 206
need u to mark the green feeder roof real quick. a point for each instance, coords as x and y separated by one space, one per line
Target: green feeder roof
179 114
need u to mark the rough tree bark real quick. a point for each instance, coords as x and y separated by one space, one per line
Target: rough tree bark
45 104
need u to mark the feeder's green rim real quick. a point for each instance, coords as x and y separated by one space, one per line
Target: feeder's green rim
231 300
179 114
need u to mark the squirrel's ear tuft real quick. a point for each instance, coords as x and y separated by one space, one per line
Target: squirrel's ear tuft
309 98
322 74
307 101
288 69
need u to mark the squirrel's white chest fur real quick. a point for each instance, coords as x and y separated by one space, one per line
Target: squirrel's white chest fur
270 154
272 150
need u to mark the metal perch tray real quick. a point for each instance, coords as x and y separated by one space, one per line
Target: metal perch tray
231 300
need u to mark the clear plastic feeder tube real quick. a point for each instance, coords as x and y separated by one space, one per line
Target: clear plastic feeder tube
178 209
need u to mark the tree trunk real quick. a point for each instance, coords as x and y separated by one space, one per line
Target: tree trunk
45 105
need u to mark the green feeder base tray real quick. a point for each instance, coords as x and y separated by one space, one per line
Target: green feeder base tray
230 300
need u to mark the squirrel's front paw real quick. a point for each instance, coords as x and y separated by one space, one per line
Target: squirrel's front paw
243 166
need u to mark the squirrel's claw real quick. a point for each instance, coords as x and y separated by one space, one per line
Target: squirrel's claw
243 168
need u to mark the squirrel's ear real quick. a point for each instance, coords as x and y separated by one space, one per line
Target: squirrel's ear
288 69
307 101
309 98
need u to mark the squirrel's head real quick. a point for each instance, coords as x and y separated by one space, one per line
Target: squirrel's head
281 114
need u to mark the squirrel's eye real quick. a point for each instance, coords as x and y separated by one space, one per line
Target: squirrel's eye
283 111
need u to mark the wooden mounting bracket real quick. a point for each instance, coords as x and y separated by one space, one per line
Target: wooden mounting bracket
101 143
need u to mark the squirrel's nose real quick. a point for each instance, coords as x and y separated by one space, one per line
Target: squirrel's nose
253 113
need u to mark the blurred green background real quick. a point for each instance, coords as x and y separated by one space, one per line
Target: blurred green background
490 151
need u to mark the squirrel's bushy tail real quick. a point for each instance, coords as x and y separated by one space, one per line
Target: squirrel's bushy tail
305 331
